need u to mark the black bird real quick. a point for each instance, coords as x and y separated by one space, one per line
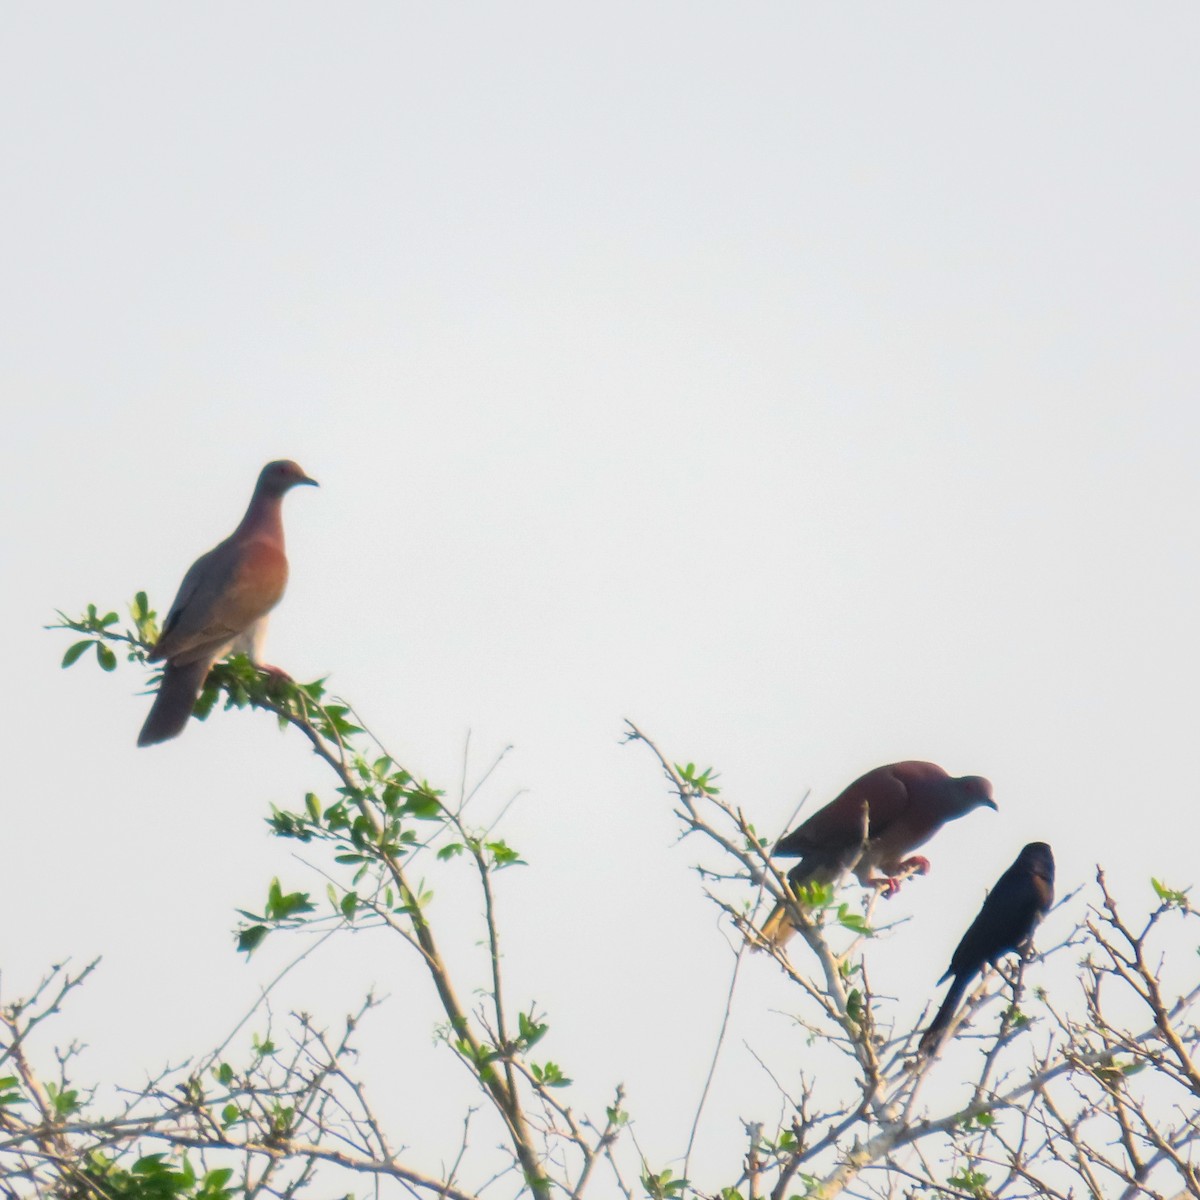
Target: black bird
1010 913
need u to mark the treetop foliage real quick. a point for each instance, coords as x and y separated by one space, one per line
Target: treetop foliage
1095 1092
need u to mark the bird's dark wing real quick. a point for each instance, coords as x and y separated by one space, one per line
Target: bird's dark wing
839 825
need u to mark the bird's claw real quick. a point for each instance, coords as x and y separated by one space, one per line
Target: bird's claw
887 885
917 865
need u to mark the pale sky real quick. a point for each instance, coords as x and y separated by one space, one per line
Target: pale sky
814 385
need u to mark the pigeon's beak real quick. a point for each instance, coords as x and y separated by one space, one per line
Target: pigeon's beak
305 479
990 804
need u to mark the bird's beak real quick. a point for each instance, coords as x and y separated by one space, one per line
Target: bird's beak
990 804
305 479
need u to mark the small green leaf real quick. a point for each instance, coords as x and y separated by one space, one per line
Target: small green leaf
504 855
422 806
854 1006
531 1031
213 1185
814 894
1015 1017
853 921
10 1091
251 938
65 1103
549 1075
106 658
974 1182
1169 896
73 652
280 906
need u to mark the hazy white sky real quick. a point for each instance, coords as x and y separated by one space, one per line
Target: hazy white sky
813 384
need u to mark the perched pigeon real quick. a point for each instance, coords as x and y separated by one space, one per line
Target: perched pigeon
223 603
874 825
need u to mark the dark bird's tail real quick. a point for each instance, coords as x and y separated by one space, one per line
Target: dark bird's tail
174 703
931 1039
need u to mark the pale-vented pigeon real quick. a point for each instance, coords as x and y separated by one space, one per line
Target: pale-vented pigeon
1010 913
223 603
874 825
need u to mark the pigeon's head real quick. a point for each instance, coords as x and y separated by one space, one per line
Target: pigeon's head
974 792
277 477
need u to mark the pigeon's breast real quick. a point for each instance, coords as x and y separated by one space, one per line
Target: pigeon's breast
261 579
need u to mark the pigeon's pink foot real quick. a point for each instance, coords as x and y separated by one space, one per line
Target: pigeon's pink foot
917 865
887 885
275 672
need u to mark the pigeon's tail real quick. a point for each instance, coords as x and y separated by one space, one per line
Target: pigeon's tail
931 1039
174 703
778 928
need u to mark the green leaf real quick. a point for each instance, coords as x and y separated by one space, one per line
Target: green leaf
662 1186
854 1006
451 851
983 1120
549 1075
213 1185
280 906
106 658
1016 1017
504 855
974 1182
814 894
422 806
73 652
289 825
349 905
225 1074
853 921
251 938
65 1103
314 808
531 1031
1169 896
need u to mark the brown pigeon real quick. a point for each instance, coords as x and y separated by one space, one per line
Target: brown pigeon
223 603
1010 913
874 825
